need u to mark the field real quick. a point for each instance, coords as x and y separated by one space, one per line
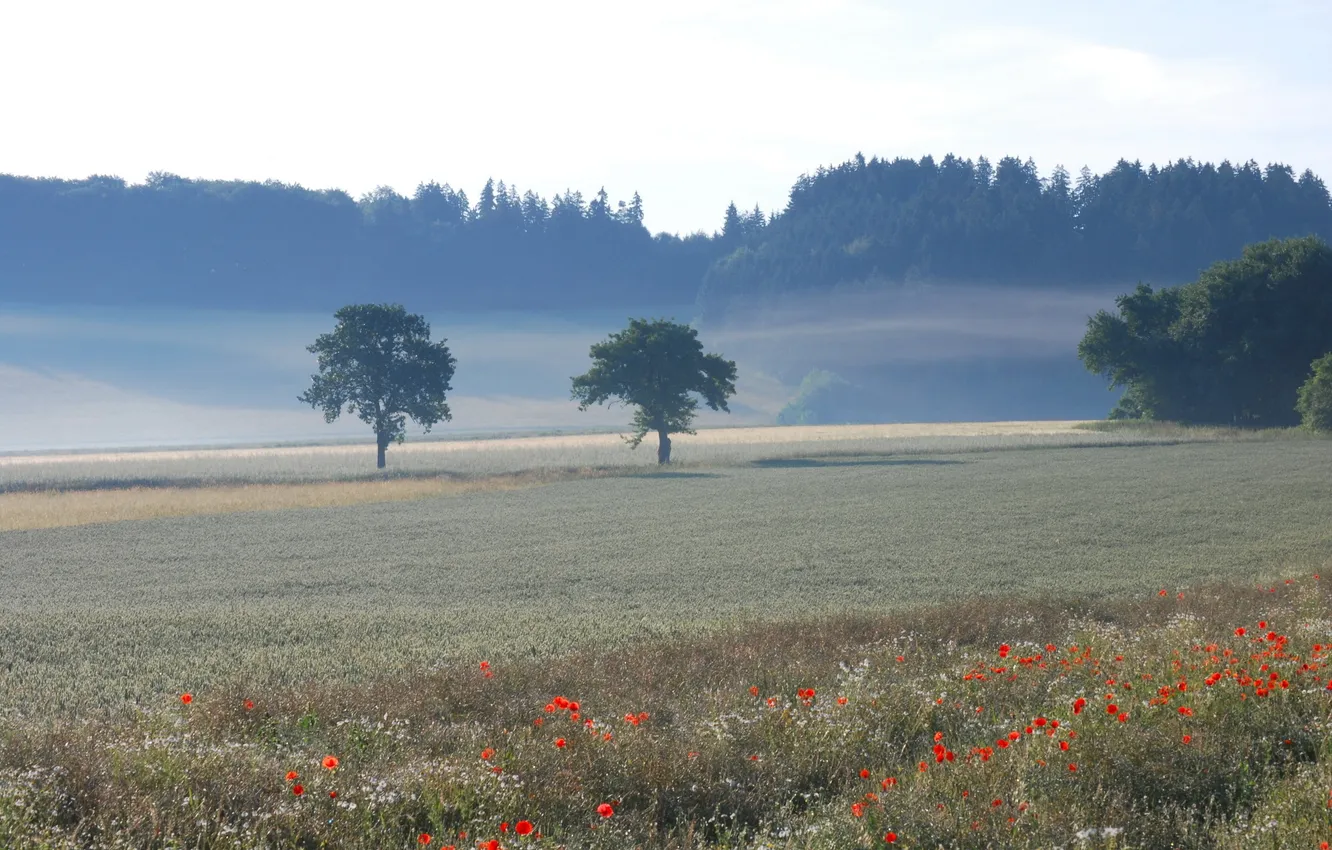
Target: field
357 629
51 490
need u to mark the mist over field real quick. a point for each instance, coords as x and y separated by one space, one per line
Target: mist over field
97 378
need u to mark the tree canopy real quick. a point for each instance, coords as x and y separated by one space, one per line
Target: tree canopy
202 243
882 222
1232 347
379 363
659 368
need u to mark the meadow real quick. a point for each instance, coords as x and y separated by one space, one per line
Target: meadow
500 455
734 625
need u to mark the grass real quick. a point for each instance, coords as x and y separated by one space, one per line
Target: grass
98 618
50 508
356 629
1148 722
57 490
481 458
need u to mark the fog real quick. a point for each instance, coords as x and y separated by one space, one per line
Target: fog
85 378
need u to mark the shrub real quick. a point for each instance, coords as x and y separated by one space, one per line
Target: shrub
1315 397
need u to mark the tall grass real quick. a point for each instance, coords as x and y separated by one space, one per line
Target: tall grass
1180 718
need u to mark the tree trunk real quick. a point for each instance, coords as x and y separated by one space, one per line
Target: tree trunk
382 444
663 447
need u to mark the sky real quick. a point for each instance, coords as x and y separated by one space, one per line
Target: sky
692 103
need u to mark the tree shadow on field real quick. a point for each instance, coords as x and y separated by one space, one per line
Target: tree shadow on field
815 463
665 473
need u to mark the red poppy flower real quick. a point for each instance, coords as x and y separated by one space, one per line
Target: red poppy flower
1240 632
753 690
559 743
187 698
488 753
492 844
864 773
1072 768
1186 711
1188 739
1040 721
1112 709
291 775
1013 736
330 762
523 827
423 839
858 810
605 810
572 706
333 795
249 705
890 837
1063 745
841 700
298 790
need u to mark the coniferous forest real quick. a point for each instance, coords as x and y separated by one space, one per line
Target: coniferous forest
195 243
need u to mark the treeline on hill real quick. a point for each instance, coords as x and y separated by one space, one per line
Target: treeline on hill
888 221
269 245
1248 343
173 241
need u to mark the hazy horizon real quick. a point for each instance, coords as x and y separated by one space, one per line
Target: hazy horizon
108 378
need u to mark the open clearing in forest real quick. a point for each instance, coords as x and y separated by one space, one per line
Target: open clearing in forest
96 616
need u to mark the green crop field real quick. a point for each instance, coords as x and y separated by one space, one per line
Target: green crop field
98 617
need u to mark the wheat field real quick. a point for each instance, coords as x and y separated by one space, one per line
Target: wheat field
113 614
52 490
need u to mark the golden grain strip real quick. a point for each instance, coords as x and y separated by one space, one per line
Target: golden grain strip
57 508
705 437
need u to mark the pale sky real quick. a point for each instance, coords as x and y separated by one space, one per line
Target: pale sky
693 103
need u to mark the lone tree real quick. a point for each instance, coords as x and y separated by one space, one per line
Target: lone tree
380 364
658 367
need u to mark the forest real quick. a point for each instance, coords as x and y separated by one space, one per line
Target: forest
172 241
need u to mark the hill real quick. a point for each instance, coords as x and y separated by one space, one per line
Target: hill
202 243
